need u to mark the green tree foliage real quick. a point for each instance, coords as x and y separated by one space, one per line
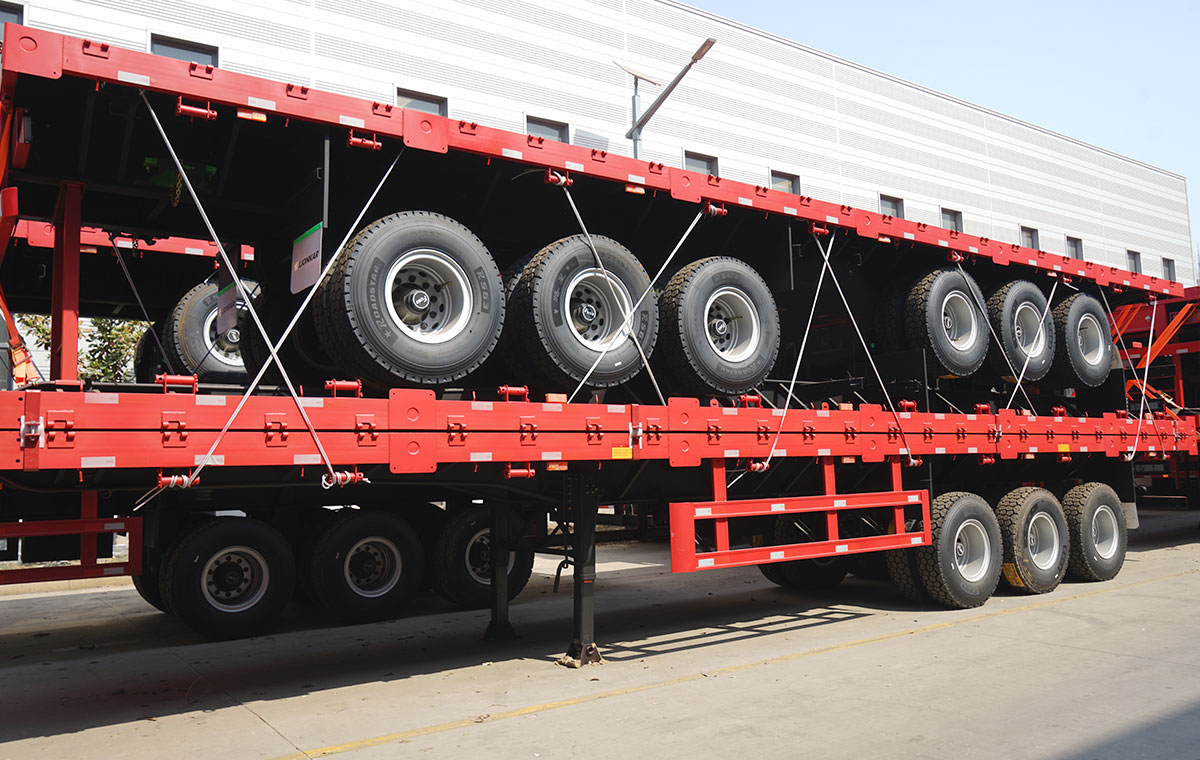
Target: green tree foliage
106 345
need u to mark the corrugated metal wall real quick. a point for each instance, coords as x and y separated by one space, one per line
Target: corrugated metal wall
756 102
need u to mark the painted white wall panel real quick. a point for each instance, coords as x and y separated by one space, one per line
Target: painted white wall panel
756 102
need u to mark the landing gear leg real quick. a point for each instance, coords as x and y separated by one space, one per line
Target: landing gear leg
583 502
500 629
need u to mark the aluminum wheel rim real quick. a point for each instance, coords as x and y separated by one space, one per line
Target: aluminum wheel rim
430 297
1105 534
596 305
231 356
372 567
235 579
1091 340
958 321
478 557
1026 321
972 551
731 325
1043 541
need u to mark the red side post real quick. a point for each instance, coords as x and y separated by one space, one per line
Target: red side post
64 297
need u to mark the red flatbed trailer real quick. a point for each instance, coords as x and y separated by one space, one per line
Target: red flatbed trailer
123 458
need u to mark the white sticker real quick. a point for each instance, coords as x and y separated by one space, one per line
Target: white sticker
706 563
551 456
96 462
351 121
217 459
481 456
306 459
254 102
131 78
510 153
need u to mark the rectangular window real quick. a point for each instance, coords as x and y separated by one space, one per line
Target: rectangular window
700 163
1029 237
785 183
419 101
206 55
10 14
952 220
1074 248
1133 261
890 206
1169 269
551 130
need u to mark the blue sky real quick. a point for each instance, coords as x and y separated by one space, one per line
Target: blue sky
1122 76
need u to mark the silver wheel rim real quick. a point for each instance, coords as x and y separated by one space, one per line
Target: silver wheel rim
478 557
228 355
1105 533
596 306
1026 320
372 567
430 298
731 325
235 579
959 321
1091 340
972 551
1043 541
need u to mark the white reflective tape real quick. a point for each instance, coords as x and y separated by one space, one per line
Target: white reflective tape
728 410
194 251
306 459
703 511
551 407
904 451
132 78
616 408
100 398
351 121
916 540
914 497
260 103
706 563
839 502
745 201
842 548
822 452
971 416
1080 271
939 416
510 153
1083 448
481 456
732 453
909 236
1032 262
94 462
972 450
114 526
790 210
831 219
1033 449
1058 419
123 243
1149 448
940 450
481 406
781 452
210 401
778 412
905 415
3 544
217 459
551 456
313 402
1125 281
637 179
778 507
1057 268
943 244
1181 351
114 570
972 249
573 166
1145 286
822 412
777 555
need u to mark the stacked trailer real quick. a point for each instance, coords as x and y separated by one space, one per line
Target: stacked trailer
931 415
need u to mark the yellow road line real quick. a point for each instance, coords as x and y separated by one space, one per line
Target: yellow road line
375 741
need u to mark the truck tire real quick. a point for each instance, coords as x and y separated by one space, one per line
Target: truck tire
903 571
887 327
1014 310
942 317
191 341
302 355
414 299
229 577
147 358
462 561
148 584
366 566
1096 523
1033 531
962 567
1085 344
811 575
565 313
720 328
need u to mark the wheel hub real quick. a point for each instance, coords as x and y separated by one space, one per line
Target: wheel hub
719 327
429 296
235 579
373 566
597 302
734 332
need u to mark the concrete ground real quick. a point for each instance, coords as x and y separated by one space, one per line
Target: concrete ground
704 665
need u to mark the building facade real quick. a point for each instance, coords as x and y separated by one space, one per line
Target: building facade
757 108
